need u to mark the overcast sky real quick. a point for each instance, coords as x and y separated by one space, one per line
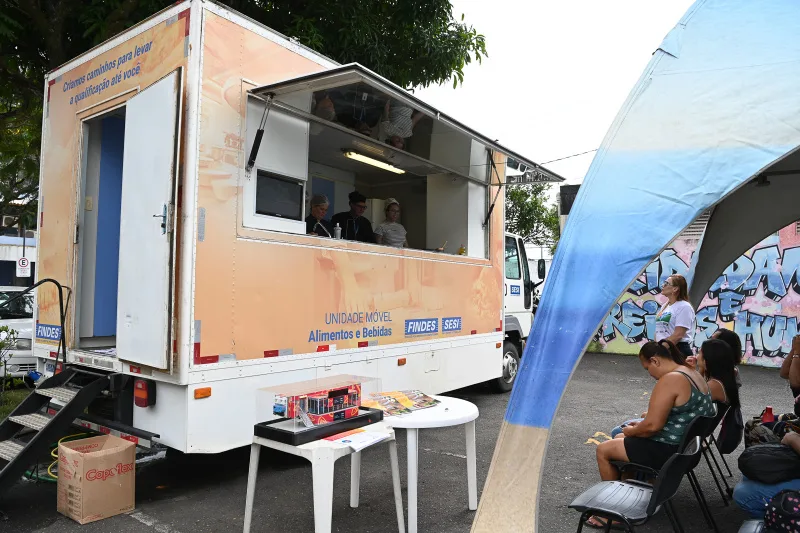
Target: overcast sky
557 72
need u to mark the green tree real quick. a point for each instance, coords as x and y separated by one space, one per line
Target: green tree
413 43
529 216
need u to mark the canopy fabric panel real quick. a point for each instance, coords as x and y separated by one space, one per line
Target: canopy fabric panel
716 105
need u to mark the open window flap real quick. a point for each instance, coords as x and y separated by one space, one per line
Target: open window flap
353 84
328 141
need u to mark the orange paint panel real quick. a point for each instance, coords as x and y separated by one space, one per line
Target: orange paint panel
126 68
272 289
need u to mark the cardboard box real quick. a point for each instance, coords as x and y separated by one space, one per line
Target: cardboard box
96 478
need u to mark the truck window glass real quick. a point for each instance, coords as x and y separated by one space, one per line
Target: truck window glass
512 259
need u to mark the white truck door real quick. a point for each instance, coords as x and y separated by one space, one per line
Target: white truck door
146 250
516 284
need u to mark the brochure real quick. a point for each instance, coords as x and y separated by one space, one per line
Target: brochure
358 439
399 402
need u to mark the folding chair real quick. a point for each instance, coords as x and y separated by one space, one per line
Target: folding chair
697 428
752 526
633 503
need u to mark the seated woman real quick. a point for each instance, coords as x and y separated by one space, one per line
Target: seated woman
735 343
315 222
680 395
716 363
390 232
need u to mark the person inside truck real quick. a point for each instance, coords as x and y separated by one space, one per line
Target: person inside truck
355 226
315 222
390 232
397 124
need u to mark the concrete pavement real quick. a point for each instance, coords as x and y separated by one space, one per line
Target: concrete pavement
198 494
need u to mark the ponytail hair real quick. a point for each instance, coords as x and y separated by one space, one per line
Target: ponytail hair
664 349
719 362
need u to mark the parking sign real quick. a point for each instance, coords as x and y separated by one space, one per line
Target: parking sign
23 267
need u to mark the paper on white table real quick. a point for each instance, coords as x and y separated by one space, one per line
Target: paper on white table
358 439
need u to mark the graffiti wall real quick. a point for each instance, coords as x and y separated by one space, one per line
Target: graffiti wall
758 297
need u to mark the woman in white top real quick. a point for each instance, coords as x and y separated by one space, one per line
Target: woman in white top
390 232
675 320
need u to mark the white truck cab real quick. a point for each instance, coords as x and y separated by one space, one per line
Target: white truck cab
519 301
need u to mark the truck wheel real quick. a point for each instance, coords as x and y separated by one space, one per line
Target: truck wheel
510 368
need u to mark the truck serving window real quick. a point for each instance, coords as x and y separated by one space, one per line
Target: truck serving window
423 179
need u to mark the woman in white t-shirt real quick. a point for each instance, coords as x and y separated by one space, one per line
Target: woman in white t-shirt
675 320
390 232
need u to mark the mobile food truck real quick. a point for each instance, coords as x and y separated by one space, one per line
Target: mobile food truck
178 159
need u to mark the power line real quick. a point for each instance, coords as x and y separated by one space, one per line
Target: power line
568 157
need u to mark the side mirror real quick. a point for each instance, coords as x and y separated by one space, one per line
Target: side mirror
540 265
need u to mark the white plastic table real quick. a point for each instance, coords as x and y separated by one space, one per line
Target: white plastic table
450 412
323 454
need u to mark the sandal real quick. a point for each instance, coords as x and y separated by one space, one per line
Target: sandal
597 522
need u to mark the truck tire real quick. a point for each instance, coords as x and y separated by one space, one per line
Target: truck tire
510 368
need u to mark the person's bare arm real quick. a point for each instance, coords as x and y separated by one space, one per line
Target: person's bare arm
786 366
717 391
661 401
677 335
378 238
794 369
792 439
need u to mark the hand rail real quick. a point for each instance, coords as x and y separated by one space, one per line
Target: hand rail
62 343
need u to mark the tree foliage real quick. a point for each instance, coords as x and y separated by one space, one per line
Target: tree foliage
413 43
529 216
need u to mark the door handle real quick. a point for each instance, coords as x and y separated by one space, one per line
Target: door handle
505 289
163 217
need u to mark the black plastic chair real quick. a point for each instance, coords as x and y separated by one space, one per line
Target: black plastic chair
708 453
698 427
752 526
633 503
722 414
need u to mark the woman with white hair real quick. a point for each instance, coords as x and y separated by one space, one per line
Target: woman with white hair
315 222
390 232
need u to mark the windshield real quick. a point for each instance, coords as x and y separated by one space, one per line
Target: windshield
21 308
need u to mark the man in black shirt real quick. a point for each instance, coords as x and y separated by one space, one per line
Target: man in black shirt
355 226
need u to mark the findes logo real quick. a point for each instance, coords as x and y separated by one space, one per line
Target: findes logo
102 475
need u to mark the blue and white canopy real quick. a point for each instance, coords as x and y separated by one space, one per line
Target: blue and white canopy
716 110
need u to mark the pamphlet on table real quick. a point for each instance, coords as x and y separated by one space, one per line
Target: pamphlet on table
398 402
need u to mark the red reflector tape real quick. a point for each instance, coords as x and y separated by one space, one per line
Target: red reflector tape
498 329
271 353
473 332
207 360
323 348
363 344
130 438
135 369
104 430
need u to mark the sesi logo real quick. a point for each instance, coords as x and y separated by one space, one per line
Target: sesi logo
451 324
102 475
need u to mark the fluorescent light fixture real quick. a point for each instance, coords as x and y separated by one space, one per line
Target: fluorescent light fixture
374 162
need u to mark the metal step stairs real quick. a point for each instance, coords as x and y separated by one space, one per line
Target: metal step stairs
29 431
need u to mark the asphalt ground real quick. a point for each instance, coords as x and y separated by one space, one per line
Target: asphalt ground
198 494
